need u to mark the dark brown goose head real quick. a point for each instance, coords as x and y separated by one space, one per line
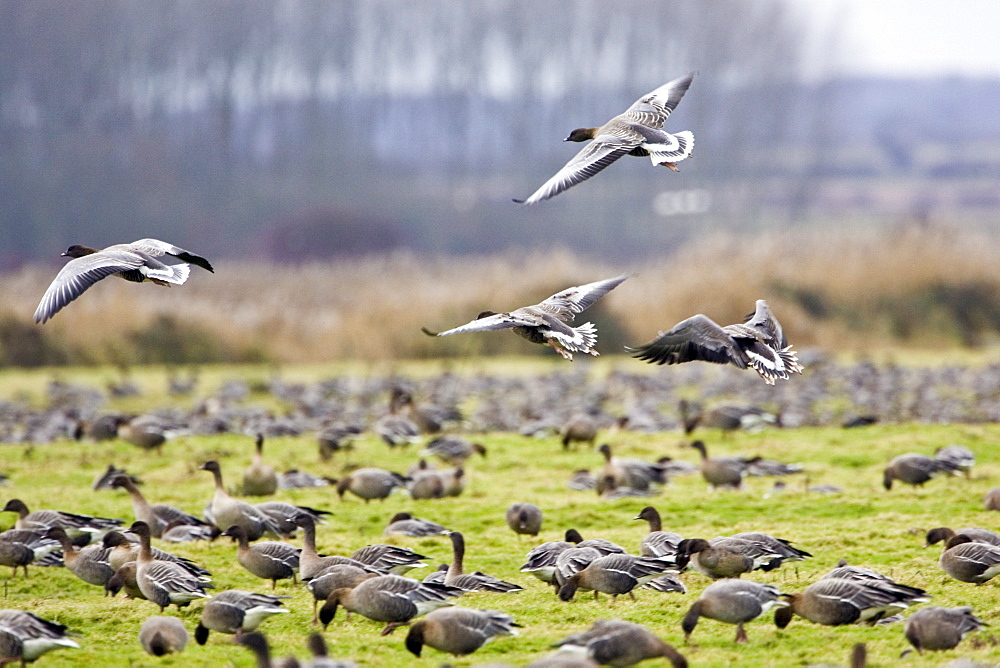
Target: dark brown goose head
76 250
485 314
582 134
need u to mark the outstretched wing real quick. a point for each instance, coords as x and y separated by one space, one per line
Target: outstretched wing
594 157
697 338
487 324
78 275
157 248
577 299
653 108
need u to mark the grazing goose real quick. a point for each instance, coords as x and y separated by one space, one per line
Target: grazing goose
632 473
914 469
871 578
158 516
781 548
296 479
395 428
259 479
969 561
283 515
145 432
935 628
657 543
370 483
188 533
406 524
389 558
547 323
105 480
456 577
726 417
524 519
336 576
34 636
310 561
389 598
637 132
16 555
541 561
727 472
452 481
164 582
732 602
959 456
759 343
74 525
991 500
163 635
581 428
425 483
975 533
257 643
127 578
268 560
458 631
90 563
615 574
37 540
726 558
838 601
227 511
453 449
236 612
613 642
335 438
122 551
143 260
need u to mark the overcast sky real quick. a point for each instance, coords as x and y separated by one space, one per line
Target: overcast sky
911 37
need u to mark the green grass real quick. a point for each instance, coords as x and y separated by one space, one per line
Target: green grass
866 525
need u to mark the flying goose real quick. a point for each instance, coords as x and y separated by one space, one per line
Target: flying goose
235 612
547 323
614 642
268 560
226 511
143 260
392 599
637 132
164 582
34 636
163 635
158 516
759 343
524 518
259 479
458 631
732 602
935 628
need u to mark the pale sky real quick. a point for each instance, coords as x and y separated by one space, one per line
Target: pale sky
911 37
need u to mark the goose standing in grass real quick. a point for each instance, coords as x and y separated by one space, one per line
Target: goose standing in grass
719 559
657 543
259 479
336 576
975 533
969 561
16 555
370 483
614 642
283 515
163 635
759 344
732 602
146 432
395 428
725 472
458 631
524 519
615 574
158 516
392 599
89 563
541 560
227 511
457 577
122 550
236 612
547 323
143 260
453 449
405 524
991 500
36 540
779 547
935 628
838 601
389 558
34 636
914 469
581 428
959 456
268 560
74 525
628 472
870 578
164 582
636 132
125 578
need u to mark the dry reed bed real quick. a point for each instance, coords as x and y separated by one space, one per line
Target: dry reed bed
836 289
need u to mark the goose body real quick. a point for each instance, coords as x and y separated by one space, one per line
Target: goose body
732 602
163 582
453 449
406 524
35 636
637 132
226 511
615 574
143 260
163 635
268 560
370 483
392 599
259 479
123 551
838 601
759 343
657 543
73 524
547 323
969 561
935 628
157 516
915 469
524 518
614 642
458 631
456 576
235 612
89 563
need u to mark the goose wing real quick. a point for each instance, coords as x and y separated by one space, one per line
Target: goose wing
79 274
653 108
594 157
697 338
518 318
177 583
577 299
160 249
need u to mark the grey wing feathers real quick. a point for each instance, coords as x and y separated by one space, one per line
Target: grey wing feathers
487 324
697 338
157 248
581 297
653 108
78 275
594 157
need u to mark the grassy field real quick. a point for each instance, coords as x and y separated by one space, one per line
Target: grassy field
866 525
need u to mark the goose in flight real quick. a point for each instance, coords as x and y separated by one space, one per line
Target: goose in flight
758 343
636 132
143 260
547 323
